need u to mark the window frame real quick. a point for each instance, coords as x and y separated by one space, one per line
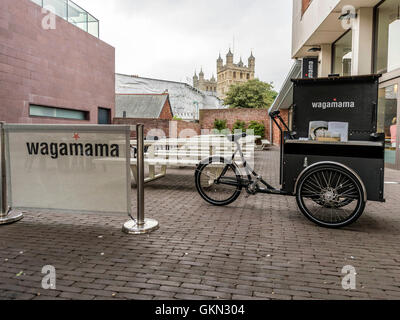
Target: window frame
375 39
333 49
85 112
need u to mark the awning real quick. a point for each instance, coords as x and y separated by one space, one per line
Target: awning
284 100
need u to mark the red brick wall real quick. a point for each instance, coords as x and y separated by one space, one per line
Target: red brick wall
276 134
207 117
65 67
166 112
152 127
304 5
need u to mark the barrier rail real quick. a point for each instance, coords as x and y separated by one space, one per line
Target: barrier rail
140 225
7 216
63 168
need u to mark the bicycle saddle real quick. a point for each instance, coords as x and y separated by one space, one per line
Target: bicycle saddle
236 137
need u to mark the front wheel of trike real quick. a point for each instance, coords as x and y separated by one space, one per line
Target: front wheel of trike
331 196
218 182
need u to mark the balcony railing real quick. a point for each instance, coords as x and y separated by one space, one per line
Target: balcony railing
72 13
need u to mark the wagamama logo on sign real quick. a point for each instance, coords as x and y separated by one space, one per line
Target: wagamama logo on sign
333 104
56 150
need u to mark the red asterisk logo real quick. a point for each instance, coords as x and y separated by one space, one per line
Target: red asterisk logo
76 136
335 99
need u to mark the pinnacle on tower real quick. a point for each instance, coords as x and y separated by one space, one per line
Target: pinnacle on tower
229 57
220 62
252 61
201 74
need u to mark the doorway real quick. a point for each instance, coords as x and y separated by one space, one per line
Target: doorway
104 116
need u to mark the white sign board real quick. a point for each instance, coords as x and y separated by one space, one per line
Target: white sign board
68 168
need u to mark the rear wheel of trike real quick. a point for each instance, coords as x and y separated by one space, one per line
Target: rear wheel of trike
218 182
331 196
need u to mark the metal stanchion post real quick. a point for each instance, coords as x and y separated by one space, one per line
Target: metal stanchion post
7 216
140 225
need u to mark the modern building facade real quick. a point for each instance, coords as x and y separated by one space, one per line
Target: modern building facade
53 68
354 37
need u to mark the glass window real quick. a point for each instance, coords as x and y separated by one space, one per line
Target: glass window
387 120
104 116
387 42
93 26
77 16
68 10
59 7
50 112
39 2
343 54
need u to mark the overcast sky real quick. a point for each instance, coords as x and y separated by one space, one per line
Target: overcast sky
169 39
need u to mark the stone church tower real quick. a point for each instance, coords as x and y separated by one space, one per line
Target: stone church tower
231 73
199 82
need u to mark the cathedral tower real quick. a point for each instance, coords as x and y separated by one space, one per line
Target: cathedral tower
231 73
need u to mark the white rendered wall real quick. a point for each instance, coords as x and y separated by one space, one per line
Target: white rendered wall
183 97
304 26
363 42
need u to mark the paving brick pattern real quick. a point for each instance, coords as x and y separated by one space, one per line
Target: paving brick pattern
257 248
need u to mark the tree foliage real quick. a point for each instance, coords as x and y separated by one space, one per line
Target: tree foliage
220 124
239 126
258 127
253 94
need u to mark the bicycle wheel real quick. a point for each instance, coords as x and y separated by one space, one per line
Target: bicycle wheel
218 183
331 196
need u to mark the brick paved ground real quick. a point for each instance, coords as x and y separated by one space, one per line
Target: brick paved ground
258 248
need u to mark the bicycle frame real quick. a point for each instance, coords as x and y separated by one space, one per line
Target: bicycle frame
250 172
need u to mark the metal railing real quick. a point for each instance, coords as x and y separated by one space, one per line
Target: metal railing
71 12
140 225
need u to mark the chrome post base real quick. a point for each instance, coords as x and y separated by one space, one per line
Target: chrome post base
131 227
10 217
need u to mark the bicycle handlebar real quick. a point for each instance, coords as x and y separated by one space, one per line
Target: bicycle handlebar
236 137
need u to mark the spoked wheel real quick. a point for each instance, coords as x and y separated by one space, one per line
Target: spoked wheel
331 196
218 183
